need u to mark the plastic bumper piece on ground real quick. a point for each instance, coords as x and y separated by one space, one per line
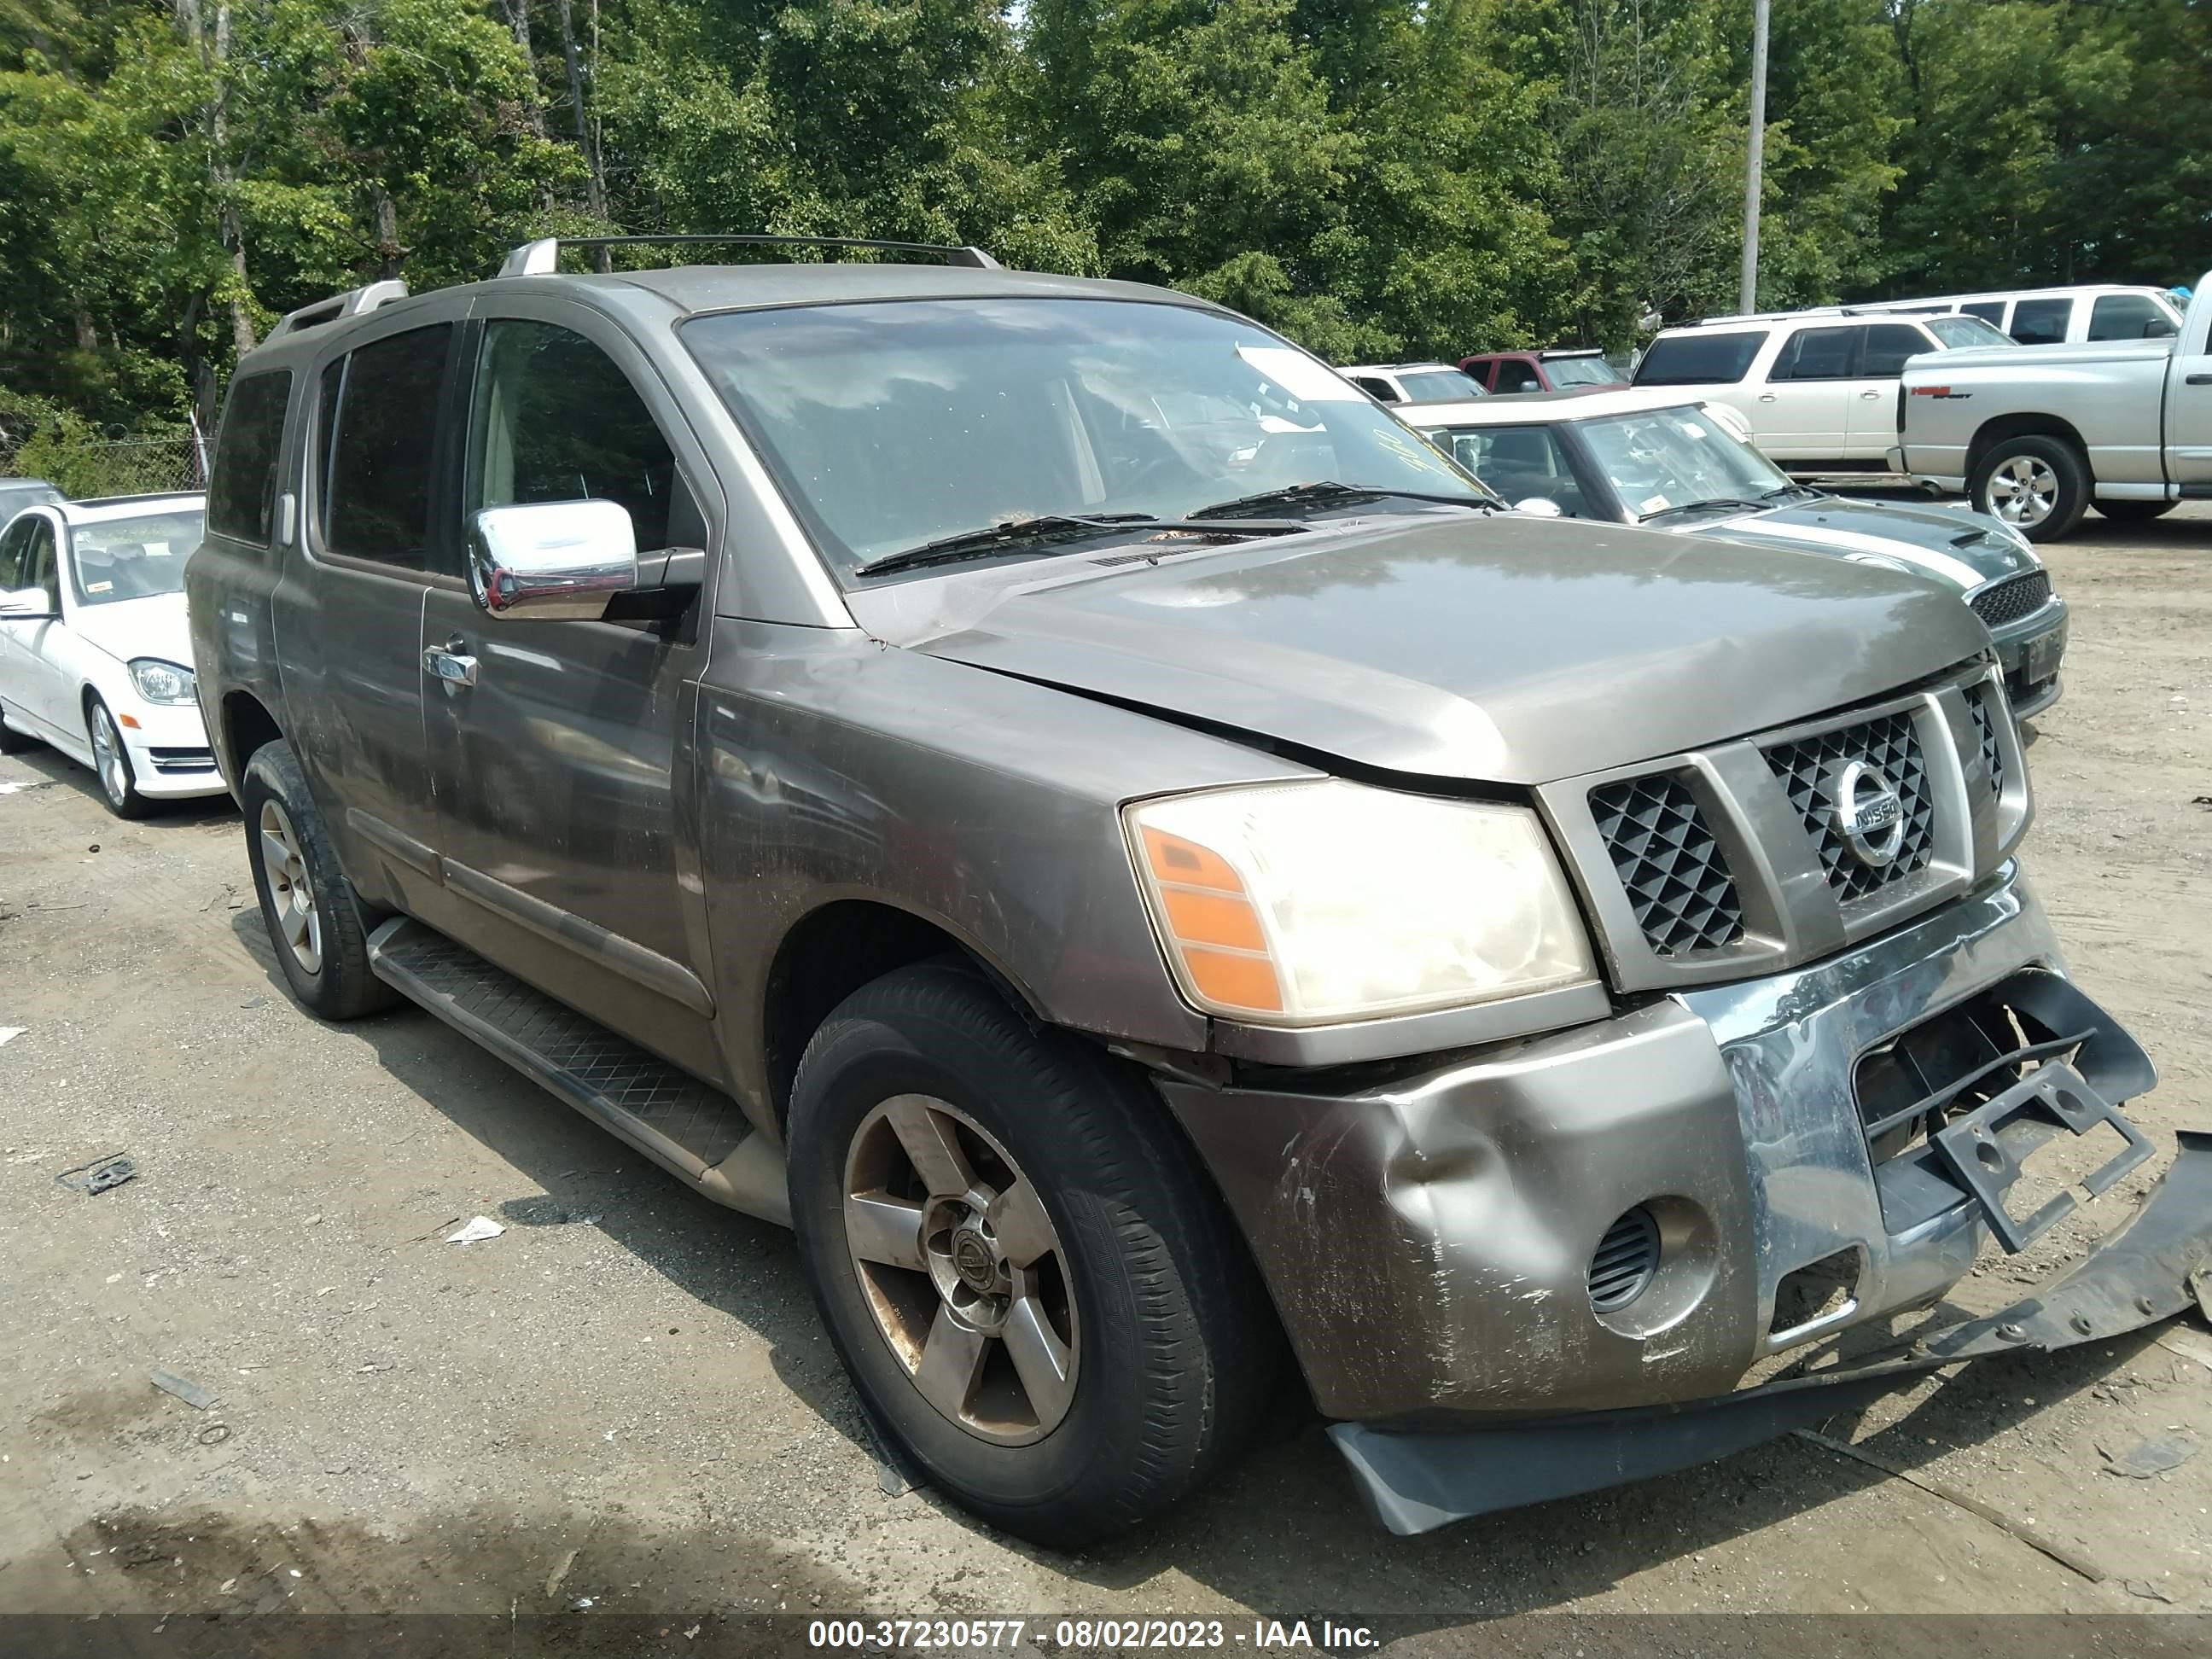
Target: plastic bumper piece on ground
2154 1267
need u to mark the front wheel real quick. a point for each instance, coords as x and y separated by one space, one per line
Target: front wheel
2039 485
111 761
2121 512
1037 1297
314 922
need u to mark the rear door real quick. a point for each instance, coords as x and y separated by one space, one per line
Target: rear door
1871 408
1803 409
565 766
349 618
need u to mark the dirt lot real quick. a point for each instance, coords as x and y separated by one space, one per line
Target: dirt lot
625 1397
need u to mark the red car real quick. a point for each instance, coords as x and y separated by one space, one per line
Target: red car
1503 372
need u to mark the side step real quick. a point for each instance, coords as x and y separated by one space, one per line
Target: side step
679 1123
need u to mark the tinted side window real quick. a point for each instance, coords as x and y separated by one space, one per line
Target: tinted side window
1818 354
1375 388
12 541
378 440
555 420
2128 317
1989 311
2041 322
38 567
1888 346
242 492
1692 359
1518 377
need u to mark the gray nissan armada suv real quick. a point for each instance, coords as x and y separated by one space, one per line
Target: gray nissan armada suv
1044 788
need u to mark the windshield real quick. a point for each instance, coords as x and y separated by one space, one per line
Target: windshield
1437 386
1671 458
897 424
1956 332
131 558
1583 371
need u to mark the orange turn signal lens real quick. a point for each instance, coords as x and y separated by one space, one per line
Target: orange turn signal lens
131 720
1210 923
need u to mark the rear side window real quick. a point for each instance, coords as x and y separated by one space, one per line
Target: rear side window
2041 322
1700 358
557 420
377 444
1820 354
2128 317
242 499
1989 311
1376 388
1888 346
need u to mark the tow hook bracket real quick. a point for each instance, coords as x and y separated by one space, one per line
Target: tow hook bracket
2054 1093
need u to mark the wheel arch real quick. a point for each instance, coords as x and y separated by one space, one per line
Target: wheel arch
2002 428
837 947
243 724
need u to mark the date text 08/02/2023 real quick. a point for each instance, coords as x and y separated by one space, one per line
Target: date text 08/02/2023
1079 1635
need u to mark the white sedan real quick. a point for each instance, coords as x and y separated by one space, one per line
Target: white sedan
95 655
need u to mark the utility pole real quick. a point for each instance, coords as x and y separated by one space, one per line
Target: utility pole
1754 164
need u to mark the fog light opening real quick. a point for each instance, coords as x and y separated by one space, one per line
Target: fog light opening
1626 1261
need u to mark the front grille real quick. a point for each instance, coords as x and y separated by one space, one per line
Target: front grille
1810 769
1985 729
2015 597
182 760
1621 1267
1677 883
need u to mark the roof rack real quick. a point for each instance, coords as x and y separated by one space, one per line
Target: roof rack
351 303
542 257
1881 308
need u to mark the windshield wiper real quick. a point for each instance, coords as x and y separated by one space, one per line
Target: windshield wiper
1733 504
1328 491
1793 492
1001 539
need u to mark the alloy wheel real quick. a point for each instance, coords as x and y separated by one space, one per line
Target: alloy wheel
2023 491
290 896
108 757
963 1269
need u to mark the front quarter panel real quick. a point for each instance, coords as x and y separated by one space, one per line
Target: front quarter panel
833 767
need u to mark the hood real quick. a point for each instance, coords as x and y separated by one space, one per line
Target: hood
1500 649
151 627
1962 549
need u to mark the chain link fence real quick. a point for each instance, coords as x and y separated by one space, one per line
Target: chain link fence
84 468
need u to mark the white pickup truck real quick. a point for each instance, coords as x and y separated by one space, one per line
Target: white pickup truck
2038 435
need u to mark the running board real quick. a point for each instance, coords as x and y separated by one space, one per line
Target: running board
695 1131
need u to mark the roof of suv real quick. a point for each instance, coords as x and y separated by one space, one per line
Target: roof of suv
1541 407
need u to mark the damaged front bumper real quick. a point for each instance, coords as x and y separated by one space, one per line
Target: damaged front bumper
1547 1269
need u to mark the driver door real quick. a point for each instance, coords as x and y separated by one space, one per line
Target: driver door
561 753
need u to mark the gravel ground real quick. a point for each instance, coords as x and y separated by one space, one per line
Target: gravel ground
626 1397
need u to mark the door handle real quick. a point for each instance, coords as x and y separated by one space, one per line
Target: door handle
449 667
2198 380
1766 397
1870 395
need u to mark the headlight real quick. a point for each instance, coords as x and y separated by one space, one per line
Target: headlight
162 682
1302 904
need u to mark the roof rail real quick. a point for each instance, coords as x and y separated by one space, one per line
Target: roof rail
352 303
1880 309
542 257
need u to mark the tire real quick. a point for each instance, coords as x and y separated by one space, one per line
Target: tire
2039 485
1169 1342
322 948
13 742
2135 512
111 763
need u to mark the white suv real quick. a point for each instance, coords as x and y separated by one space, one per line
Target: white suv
2061 316
1818 389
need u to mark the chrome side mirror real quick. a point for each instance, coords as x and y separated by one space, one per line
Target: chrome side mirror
1539 507
558 561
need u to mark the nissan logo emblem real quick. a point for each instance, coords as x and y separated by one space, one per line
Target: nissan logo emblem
1869 815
